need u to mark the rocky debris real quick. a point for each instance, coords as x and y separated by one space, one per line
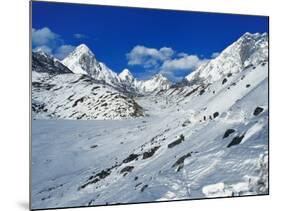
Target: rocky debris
138 184
150 152
130 158
143 188
94 179
176 142
202 91
127 169
192 91
77 101
45 86
180 162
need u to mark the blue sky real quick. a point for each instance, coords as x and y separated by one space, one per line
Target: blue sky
145 41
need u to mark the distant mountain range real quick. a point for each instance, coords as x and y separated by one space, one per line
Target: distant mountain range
83 61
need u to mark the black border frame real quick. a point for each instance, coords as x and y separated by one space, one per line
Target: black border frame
145 202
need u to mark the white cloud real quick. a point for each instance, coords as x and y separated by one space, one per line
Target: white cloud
50 42
186 62
214 55
79 36
165 60
62 51
44 37
148 57
176 69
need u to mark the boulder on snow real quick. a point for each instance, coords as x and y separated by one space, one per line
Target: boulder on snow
179 163
93 146
236 140
228 132
176 142
224 81
216 114
229 75
258 110
201 91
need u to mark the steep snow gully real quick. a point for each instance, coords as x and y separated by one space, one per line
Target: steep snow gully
207 138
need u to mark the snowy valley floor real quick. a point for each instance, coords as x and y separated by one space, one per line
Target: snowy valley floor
167 155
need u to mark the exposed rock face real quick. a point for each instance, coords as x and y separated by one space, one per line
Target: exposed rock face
43 63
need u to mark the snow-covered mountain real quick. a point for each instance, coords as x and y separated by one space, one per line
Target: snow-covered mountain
248 51
83 61
126 76
57 93
207 137
157 83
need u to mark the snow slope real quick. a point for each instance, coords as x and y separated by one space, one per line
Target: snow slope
74 96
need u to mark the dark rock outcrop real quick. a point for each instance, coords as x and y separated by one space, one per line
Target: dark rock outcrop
150 153
176 142
228 132
258 110
236 140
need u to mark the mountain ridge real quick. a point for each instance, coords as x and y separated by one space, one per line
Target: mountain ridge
248 50
83 61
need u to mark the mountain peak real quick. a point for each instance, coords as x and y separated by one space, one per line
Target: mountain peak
82 61
126 71
254 37
157 82
249 49
159 76
82 49
41 51
126 75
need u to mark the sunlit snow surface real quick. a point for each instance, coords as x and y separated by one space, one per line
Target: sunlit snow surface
82 162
